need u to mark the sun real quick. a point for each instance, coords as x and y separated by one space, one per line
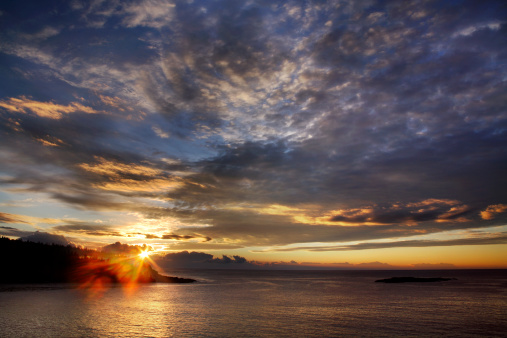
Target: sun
144 254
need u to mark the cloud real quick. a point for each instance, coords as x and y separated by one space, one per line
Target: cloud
116 169
492 210
484 239
114 102
118 248
43 34
46 238
495 25
284 124
44 109
160 133
410 213
427 266
51 141
129 177
10 218
185 259
13 232
89 230
228 260
150 13
184 237
32 220
374 265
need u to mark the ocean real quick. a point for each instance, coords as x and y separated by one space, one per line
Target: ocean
235 303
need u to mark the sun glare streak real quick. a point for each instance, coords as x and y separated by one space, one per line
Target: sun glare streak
144 254
96 276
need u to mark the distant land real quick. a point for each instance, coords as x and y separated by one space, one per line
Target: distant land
413 280
28 262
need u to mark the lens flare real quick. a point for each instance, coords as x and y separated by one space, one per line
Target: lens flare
97 275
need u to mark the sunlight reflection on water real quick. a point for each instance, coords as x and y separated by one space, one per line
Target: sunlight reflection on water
232 304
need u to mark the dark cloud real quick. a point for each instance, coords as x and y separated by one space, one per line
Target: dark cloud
417 212
185 259
118 248
253 227
228 260
14 232
176 237
87 229
184 237
46 238
10 218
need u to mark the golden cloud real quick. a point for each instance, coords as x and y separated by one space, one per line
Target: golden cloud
453 214
114 102
50 141
116 169
433 201
129 185
44 109
32 220
492 210
150 179
409 214
308 214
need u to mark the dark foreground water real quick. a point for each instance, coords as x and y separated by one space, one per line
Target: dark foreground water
266 304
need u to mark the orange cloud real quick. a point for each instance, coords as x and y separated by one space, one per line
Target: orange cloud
433 201
114 102
453 214
16 218
492 210
44 109
129 185
115 169
51 142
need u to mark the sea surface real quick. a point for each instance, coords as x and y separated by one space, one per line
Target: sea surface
234 303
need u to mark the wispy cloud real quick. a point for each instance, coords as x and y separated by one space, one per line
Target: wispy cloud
500 238
130 177
44 109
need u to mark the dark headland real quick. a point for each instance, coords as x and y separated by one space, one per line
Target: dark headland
414 280
34 263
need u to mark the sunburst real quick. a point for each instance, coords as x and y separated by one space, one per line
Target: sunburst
144 254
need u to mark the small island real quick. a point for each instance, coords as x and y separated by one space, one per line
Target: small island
37 263
413 280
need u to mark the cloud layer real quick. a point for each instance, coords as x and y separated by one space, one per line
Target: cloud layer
223 124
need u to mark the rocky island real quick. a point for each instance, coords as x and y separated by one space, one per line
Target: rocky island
413 280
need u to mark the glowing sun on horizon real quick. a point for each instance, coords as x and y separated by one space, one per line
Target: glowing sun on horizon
144 254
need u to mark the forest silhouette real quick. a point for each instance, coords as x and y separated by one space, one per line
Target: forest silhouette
29 262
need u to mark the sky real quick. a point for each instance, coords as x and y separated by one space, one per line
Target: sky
346 134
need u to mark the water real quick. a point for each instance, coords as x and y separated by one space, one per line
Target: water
266 304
